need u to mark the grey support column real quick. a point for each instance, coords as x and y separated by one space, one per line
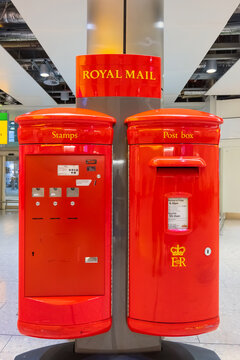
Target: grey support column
116 27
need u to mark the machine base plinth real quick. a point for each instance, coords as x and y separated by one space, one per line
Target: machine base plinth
170 351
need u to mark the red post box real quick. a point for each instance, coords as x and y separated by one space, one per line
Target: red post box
173 222
65 223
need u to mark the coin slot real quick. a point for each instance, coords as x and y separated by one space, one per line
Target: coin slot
40 218
72 192
55 192
92 162
37 192
91 168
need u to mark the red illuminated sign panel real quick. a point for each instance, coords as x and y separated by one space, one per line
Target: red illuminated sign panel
118 75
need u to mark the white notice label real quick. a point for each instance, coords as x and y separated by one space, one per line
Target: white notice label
68 170
83 182
177 213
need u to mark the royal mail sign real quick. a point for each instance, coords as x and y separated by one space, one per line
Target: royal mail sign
118 75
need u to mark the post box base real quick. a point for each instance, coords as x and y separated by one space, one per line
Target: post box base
170 351
64 332
173 329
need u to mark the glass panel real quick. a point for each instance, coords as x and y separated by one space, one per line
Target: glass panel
11 180
37 192
55 192
72 192
178 213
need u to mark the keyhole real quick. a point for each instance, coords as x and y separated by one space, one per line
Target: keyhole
32 253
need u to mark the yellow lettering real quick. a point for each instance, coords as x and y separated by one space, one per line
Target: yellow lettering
168 135
146 75
178 261
94 76
64 136
86 74
117 75
140 75
94 72
182 262
175 262
110 74
186 136
165 134
130 75
102 72
54 134
151 76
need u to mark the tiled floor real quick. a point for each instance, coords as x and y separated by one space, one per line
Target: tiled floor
225 341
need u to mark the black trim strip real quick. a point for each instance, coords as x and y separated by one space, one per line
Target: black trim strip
124 26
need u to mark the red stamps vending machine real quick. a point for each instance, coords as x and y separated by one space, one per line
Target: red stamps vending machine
65 223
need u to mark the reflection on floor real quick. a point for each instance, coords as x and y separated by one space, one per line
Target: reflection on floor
225 341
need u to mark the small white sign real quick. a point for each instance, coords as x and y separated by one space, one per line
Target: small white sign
68 170
91 259
178 213
83 182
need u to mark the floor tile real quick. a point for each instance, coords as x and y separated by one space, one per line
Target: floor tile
8 319
20 344
225 352
184 339
225 341
4 339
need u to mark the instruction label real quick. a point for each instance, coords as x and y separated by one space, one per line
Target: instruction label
68 170
177 213
83 182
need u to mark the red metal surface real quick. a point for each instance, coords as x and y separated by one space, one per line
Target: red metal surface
61 296
177 161
81 126
173 126
173 284
59 237
118 75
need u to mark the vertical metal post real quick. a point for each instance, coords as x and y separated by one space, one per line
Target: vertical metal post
111 30
2 182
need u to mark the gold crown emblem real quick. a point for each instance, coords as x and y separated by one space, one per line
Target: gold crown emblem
178 251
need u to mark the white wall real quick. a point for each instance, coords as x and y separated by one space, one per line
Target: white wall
229 110
230 176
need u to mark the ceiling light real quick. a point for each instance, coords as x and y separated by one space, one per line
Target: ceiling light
194 92
91 26
211 66
44 71
9 99
64 95
159 24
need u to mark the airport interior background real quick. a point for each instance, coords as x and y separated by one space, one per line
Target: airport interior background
190 36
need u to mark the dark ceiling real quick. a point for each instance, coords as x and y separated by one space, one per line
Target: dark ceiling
18 40
21 44
225 51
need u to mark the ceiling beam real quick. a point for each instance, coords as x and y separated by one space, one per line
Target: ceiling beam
61 29
222 56
16 82
188 38
225 46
